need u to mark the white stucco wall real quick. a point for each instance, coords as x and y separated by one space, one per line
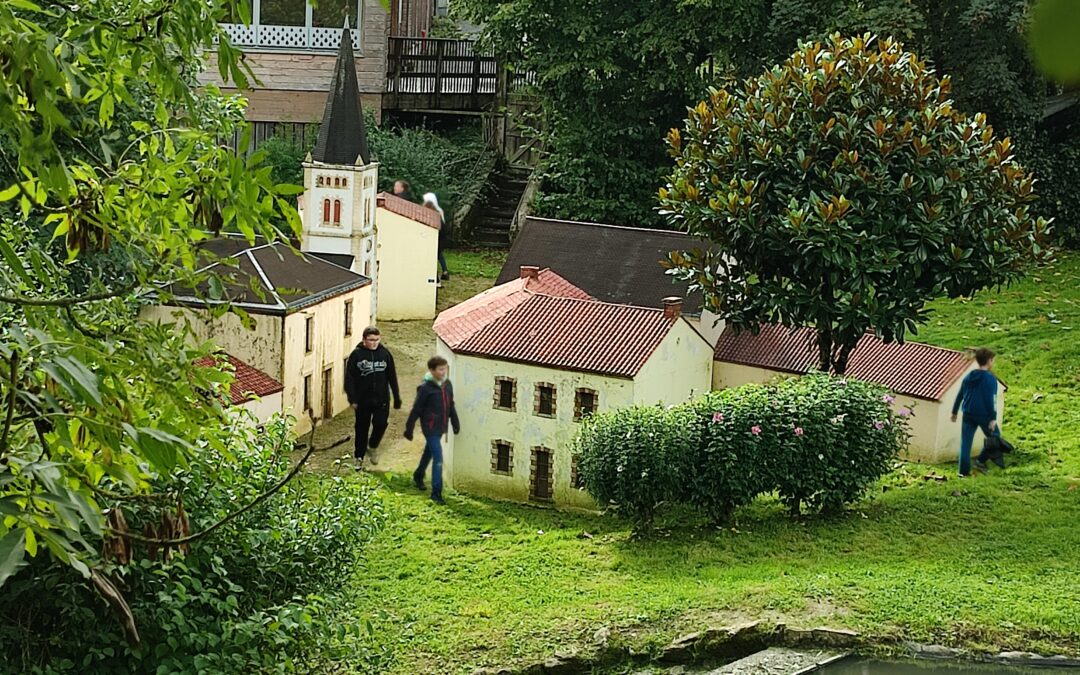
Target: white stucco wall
679 369
709 325
331 347
407 262
481 422
260 347
264 408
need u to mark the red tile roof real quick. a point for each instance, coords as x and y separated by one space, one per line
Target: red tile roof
248 380
913 369
412 211
573 334
460 322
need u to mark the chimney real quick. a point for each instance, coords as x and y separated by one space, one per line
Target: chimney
529 272
672 308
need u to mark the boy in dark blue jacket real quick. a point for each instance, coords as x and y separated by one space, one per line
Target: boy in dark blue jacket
434 408
978 395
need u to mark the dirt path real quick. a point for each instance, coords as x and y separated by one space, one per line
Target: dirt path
412 344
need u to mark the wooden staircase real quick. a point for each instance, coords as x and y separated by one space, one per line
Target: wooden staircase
492 220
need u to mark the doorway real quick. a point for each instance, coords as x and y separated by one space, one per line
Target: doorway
328 393
540 483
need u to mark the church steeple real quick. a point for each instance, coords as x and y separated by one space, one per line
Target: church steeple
342 136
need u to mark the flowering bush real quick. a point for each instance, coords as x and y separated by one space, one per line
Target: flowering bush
816 441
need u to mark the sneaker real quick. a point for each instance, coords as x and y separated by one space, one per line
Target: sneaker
980 466
445 276
358 463
373 457
419 483
438 500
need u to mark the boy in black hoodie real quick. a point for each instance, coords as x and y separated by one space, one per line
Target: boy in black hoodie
370 377
434 408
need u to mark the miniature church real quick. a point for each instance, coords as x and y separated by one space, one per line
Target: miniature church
340 205
341 180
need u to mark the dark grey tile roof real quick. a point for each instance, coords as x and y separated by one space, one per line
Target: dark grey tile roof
610 263
342 136
340 259
272 279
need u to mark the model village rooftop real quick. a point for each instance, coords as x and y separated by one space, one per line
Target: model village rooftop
542 319
269 278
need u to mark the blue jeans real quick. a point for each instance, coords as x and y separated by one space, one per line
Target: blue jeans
442 262
433 455
967 439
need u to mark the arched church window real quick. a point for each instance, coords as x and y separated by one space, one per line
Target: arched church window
337 211
326 210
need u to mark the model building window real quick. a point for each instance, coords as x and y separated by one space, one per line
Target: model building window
337 211
575 476
348 318
585 403
502 458
307 393
544 400
309 334
325 211
505 393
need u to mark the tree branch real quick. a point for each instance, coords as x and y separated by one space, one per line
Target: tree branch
85 330
236 514
13 364
67 302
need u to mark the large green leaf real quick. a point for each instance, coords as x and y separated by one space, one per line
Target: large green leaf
12 553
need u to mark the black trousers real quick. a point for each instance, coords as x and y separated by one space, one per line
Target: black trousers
371 422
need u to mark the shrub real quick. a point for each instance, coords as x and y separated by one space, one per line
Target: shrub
816 441
634 460
251 597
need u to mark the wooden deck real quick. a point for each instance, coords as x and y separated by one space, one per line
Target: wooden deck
440 75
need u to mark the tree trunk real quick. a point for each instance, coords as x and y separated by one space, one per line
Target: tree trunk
841 362
824 344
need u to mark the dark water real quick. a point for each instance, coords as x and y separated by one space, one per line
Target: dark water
861 666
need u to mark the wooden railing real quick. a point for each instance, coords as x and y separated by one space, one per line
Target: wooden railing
442 74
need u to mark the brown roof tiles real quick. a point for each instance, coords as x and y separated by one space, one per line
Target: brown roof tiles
410 210
248 381
912 368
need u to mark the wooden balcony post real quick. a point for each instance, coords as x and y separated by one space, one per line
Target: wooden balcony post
440 50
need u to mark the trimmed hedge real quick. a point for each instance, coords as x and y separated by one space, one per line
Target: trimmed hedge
818 442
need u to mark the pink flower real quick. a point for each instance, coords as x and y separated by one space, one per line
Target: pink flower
904 412
798 431
888 399
879 425
718 417
756 430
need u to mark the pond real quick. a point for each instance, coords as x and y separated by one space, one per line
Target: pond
867 666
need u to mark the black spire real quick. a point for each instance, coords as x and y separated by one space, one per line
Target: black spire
342 137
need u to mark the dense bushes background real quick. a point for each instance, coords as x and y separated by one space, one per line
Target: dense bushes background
255 596
817 442
454 165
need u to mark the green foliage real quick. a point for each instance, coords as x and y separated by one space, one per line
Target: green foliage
112 176
817 441
454 166
1055 27
286 156
610 75
249 598
843 191
632 459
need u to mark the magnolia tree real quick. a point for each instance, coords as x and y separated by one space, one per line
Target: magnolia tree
843 191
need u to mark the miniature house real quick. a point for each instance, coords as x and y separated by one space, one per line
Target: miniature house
407 253
532 357
307 315
925 379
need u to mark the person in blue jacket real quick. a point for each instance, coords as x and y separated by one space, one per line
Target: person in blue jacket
434 409
978 399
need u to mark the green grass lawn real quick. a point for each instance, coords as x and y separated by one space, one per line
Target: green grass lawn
988 563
